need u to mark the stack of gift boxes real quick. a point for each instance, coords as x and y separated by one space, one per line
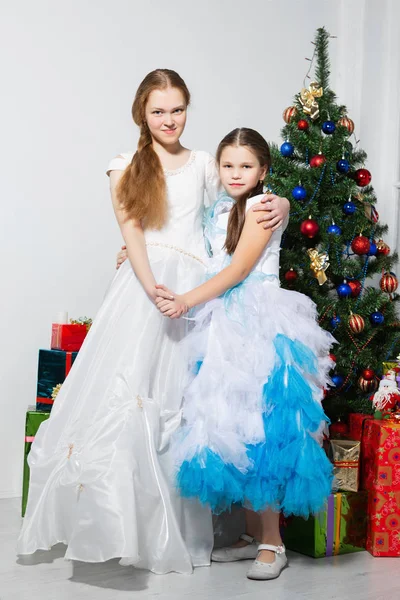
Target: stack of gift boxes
53 367
363 511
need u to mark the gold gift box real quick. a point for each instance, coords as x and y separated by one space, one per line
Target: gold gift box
346 464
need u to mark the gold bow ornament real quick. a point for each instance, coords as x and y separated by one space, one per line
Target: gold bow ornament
308 99
319 264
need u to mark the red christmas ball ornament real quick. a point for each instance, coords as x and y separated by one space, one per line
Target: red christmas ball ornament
338 428
368 385
309 227
291 275
362 177
348 123
303 125
368 374
356 323
356 288
289 114
389 283
332 357
360 245
383 248
317 161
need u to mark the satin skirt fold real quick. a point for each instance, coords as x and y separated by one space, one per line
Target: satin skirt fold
102 472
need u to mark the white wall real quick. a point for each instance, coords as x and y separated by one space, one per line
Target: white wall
69 76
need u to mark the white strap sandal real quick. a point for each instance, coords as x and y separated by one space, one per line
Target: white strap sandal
262 570
231 554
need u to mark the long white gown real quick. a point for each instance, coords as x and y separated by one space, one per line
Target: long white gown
102 474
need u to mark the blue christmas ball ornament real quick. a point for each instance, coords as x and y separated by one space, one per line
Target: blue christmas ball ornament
343 290
373 250
335 321
299 193
334 229
328 127
343 165
349 208
376 318
287 149
337 380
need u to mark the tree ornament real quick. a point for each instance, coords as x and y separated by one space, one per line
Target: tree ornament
360 245
343 290
356 287
289 114
349 208
334 229
373 250
367 385
309 227
317 161
332 357
328 127
356 323
287 149
376 318
335 321
308 99
299 193
319 264
348 123
389 283
291 275
338 428
337 380
362 177
383 248
303 125
368 374
343 165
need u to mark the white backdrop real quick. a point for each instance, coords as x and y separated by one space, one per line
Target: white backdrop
69 73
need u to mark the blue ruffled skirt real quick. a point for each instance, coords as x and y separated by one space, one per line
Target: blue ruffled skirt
253 420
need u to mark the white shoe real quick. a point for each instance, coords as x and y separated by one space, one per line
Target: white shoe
262 570
230 554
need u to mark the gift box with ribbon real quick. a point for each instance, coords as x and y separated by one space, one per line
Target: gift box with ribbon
34 419
381 478
346 464
53 368
68 337
340 529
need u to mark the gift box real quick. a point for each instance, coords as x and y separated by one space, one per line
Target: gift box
340 529
346 464
381 477
34 418
356 421
68 337
53 368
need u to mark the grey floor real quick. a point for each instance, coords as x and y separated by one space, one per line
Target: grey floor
48 576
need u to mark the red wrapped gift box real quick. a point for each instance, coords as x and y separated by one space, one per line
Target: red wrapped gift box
381 476
67 337
356 421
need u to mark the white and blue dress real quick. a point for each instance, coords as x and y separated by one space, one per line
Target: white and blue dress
253 418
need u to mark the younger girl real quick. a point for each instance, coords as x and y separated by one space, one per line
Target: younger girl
252 409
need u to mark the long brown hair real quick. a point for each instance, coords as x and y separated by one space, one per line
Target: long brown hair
142 188
243 136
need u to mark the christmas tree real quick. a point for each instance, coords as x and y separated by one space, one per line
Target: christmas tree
334 243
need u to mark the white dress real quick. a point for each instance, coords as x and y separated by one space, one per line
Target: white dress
101 469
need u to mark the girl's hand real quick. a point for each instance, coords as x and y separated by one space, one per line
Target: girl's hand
276 210
121 256
169 304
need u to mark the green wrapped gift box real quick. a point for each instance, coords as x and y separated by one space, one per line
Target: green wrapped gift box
340 529
33 420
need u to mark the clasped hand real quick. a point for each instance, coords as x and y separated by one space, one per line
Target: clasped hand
169 304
